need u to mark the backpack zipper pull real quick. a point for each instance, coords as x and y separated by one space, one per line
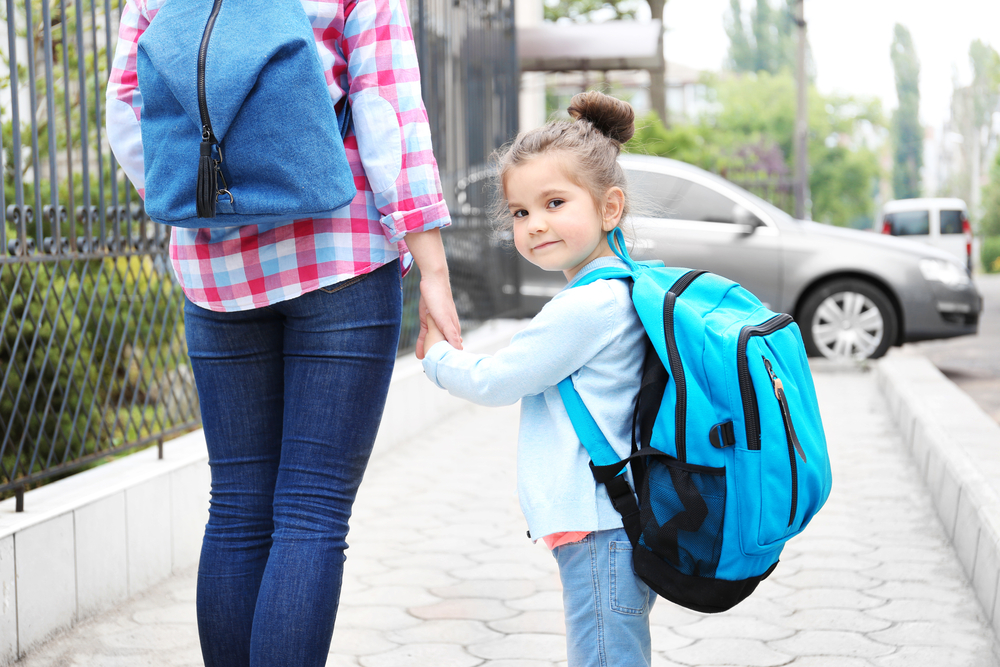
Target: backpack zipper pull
207 187
786 413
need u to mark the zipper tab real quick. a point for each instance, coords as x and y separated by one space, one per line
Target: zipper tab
786 413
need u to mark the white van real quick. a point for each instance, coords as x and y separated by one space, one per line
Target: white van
940 222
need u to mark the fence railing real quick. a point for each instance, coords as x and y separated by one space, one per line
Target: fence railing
92 354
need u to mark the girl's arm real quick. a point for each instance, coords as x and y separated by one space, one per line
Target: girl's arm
568 333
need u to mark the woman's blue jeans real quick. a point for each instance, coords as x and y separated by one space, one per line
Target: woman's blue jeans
291 399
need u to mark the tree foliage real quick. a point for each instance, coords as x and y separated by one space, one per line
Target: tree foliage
768 44
907 134
989 224
582 11
748 137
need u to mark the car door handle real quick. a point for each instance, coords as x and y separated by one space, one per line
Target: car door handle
640 245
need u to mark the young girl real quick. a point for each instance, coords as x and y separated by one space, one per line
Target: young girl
564 191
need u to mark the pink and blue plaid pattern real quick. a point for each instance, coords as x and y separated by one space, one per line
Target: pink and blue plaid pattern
368 51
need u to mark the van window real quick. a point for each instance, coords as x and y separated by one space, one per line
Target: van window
909 223
951 222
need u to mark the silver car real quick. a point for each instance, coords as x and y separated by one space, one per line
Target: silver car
853 293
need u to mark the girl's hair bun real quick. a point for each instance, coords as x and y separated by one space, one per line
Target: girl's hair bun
610 116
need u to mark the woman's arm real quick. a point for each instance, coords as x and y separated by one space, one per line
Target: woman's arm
394 142
435 289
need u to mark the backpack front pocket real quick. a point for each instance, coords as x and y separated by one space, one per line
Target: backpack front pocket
682 507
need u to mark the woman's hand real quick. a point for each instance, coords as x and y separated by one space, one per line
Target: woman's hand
434 334
435 290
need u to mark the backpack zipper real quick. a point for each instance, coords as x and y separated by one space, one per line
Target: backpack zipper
790 438
674 359
747 392
209 171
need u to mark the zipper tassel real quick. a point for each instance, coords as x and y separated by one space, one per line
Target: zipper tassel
786 413
207 191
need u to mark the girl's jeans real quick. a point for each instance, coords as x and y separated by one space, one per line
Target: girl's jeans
291 399
606 605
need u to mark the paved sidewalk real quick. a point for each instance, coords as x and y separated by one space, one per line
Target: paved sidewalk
441 574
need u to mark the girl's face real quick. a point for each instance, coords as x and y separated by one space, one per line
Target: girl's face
557 223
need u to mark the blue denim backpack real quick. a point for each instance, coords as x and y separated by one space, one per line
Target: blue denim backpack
728 457
238 126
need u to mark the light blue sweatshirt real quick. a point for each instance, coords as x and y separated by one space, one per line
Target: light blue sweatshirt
590 333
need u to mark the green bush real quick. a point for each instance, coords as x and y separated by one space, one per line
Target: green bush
990 254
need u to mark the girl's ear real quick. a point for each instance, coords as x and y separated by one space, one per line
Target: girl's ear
614 204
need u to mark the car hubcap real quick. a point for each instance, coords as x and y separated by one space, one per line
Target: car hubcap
847 325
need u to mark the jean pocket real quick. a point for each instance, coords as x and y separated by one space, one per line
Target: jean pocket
336 287
629 594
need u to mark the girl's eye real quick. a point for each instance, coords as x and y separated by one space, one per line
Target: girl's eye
520 213
555 203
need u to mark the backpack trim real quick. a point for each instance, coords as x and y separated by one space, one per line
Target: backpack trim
674 358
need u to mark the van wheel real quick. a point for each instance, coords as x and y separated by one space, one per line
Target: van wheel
848 319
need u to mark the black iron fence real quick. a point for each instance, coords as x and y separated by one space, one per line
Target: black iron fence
92 355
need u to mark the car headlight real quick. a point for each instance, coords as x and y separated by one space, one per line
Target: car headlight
940 271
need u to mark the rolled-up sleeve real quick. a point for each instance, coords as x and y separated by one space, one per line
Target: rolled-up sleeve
390 121
124 101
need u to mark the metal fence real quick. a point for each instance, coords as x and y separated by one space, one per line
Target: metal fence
92 355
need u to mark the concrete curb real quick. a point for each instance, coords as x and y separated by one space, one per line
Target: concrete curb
956 447
91 541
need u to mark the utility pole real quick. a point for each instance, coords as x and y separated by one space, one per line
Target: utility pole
801 118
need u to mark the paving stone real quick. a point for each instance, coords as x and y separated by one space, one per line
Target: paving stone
405 576
937 591
929 633
806 578
462 633
666 639
464 609
923 610
521 663
500 571
546 622
402 596
522 646
737 627
373 617
831 598
935 656
831 642
540 601
360 641
829 661
496 590
422 655
745 652
849 620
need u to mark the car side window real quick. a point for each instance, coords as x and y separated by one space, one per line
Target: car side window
909 223
662 196
951 222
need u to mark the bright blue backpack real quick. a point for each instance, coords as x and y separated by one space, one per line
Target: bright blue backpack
237 123
728 453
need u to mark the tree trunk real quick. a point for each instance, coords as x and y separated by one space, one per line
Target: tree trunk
657 76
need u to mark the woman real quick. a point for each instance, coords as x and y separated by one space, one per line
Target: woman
292 332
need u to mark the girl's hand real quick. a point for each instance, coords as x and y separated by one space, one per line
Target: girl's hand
434 334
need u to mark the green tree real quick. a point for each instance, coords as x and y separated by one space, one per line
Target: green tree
989 224
748 139
768 45
907 134
582 11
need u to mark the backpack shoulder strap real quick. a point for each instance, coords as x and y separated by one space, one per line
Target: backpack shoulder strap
600 450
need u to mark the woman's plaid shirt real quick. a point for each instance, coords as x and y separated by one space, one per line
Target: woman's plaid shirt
366 47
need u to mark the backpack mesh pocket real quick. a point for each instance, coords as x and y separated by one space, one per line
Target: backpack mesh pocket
681 512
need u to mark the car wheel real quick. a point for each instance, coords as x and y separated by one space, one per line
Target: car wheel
848 319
